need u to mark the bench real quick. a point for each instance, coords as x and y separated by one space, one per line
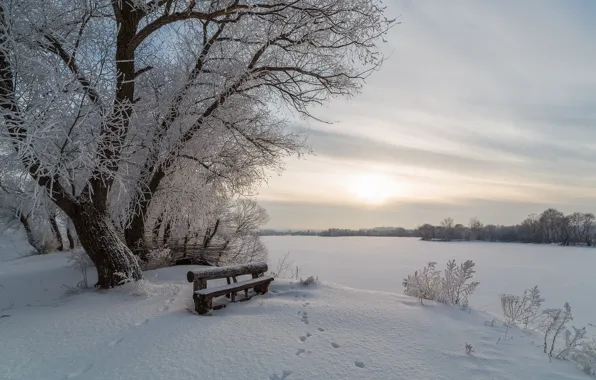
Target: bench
203 296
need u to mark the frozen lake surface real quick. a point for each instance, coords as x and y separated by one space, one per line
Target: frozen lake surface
562 273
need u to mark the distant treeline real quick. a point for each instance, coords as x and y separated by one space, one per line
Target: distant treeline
289 233
334 232
549 227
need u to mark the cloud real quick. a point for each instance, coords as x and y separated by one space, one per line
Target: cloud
479 100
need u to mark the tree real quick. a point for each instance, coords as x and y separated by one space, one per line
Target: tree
475 228
447 228
15 205
102 100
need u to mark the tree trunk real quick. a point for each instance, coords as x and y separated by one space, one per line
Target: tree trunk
115 263
71 241
56 231
30 238
156 228
167 232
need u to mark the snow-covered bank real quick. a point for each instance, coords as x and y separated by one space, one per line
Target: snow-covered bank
295 332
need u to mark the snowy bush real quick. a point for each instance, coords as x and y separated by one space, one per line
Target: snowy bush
80 261
553 324
282 269
453 288
583 353
521 309
308 281
576 346
158 258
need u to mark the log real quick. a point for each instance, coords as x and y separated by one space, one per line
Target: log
254 269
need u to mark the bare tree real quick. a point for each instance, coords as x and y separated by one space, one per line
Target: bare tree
475 228
55 229
103 100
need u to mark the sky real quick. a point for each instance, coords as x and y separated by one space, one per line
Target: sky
483 109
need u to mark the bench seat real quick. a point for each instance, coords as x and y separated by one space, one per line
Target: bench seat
204 297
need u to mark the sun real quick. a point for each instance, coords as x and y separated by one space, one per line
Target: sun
372 189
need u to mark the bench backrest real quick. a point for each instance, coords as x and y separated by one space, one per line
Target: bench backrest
229 271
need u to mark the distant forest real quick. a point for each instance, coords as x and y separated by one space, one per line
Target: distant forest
549 227
377 231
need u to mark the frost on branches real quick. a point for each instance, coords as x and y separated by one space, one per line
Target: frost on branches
106 104
452 288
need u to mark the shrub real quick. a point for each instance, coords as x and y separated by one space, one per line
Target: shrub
453 289
553 324
521 309
158 258
80 261
309 280
282 269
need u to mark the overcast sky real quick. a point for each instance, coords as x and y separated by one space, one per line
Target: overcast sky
484 108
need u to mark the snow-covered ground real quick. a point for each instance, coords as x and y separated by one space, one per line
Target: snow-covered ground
294 332
564 274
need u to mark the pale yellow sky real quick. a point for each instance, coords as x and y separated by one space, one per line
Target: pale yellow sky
483 109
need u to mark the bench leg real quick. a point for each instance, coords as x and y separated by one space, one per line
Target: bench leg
199 284
265 288
203 304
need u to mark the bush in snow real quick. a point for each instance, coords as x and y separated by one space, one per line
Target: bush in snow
309 280
80 261
553 324
576 346
521 309
282 269
453 288
158 258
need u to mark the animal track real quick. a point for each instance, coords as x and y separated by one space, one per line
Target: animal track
359 364
304 317
283 375
300 351
80 372
305 304
115 342
304 337
334 345
320 329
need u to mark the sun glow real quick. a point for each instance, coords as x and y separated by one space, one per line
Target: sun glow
373 189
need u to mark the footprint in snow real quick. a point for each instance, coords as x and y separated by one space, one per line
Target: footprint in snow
359 364
283 375
80 372
320 329
300 351
115 342
334 345
302 338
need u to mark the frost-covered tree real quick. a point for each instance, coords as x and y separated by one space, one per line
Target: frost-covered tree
102 101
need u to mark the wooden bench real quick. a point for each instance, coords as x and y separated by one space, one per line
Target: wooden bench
203 296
